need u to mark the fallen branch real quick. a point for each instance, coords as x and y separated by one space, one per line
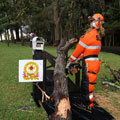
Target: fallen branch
116 77
43 93
26 107
111 84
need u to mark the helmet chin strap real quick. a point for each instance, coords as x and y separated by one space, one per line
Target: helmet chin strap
93 24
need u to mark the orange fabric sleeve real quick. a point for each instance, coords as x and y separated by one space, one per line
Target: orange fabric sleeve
81 46
78 50
81 56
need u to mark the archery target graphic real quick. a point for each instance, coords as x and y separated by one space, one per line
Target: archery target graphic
30 70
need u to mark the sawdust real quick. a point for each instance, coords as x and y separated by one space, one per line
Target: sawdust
63 108
110 102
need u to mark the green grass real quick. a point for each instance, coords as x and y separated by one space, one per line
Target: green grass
112 60
14 95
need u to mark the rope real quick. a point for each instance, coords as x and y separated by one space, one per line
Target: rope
44 95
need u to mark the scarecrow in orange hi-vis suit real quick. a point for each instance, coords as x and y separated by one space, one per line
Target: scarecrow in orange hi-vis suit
87 49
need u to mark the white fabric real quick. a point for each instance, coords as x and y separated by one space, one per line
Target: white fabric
89 47
91 96
94 58
83 44
74 58
93 47
93 24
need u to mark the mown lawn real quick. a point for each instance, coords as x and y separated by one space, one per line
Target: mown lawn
14 95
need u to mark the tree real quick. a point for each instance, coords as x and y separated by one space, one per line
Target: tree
38 15
60 93
56 22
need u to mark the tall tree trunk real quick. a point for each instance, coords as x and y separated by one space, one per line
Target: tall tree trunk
110 39
106 41
8 37
92 5
17 35
52 34
113 40
72 18
60 92
22 39
1 38
102 4
57 23
119 4
12 35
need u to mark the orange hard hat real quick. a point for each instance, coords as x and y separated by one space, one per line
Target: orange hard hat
97 19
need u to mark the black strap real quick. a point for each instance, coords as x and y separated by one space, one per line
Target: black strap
92 83
89 56
91 92
91 72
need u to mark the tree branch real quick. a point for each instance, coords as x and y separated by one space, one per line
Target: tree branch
69 44
111 84
113 73
112 8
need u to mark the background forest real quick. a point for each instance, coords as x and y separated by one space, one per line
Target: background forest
49 18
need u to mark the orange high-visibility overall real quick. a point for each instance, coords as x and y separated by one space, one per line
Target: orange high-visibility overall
88 47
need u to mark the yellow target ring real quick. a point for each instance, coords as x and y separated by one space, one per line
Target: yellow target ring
35 68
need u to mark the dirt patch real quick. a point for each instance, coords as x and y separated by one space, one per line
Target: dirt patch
110 101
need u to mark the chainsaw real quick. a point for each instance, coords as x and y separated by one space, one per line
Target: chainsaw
73 68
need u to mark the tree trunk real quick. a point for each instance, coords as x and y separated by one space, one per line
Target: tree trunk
113 40
52 34
60 92
110 39
8 37
106 41
57 23
72 18
119 4
102 4
92 5
1 38
22 39
12 35
17 34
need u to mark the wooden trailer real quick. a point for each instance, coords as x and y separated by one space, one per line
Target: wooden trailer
78 113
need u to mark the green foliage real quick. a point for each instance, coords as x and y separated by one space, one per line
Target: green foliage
38 15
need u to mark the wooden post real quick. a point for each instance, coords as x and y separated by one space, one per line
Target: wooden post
44 70
37 95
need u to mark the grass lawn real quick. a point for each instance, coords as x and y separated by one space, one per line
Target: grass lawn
14 95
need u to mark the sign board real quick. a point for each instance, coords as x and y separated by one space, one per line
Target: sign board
30 70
